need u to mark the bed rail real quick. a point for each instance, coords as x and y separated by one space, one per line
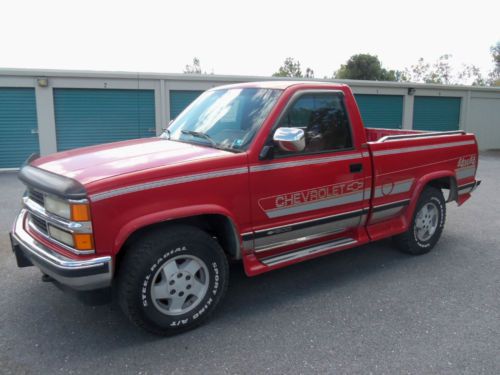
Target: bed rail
421 135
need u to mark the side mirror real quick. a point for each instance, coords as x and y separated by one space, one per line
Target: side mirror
290 139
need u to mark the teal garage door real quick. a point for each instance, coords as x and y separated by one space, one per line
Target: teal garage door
436 113
18 126
87 117
180 99
381 111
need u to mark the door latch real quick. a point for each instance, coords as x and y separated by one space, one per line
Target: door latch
356 167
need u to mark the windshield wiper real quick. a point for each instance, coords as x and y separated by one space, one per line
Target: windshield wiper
201 135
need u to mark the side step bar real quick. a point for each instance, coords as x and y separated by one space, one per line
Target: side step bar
300 253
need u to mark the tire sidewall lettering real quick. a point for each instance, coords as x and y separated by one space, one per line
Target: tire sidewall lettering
430 241
208 300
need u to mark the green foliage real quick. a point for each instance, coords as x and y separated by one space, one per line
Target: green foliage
366 67
291 68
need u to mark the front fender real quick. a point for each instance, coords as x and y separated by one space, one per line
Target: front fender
167 215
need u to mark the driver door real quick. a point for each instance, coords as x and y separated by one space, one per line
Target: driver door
302 199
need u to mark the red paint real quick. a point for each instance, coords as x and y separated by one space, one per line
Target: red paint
245 198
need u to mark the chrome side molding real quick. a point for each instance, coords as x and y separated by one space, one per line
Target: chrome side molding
300 253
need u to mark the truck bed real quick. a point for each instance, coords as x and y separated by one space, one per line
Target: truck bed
374 134
403 161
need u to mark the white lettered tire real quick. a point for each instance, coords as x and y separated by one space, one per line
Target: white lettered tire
427 223
172 280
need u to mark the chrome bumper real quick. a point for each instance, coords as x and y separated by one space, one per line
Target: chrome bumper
88 274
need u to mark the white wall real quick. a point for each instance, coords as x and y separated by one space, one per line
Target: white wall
483 119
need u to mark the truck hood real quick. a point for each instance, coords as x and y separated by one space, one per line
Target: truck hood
90 164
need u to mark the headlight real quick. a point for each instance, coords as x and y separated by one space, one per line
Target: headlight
61 236
57 207
73 211
79 241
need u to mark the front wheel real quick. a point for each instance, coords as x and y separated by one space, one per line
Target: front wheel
172 280
427 224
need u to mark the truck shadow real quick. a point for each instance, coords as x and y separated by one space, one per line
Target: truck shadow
289 285
247 299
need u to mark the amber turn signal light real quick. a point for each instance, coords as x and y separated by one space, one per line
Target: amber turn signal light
83 241
80 212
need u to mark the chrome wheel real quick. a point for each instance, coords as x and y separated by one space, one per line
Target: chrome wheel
180 285
426 221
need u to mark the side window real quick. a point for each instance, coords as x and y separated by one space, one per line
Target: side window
324 120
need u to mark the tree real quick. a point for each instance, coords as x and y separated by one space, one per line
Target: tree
471 75
367 67
291 68
195 68
494 76
440 72
417 72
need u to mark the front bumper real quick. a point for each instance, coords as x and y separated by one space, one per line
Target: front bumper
82 275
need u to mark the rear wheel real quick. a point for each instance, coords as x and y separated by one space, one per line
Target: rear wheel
427 224
172 280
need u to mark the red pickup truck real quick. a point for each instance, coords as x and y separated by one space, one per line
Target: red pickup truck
269 173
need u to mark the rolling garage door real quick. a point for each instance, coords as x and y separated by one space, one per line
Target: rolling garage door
18 126
436 113
180 99
381 111
87 117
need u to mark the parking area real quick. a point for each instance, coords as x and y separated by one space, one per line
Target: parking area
366 310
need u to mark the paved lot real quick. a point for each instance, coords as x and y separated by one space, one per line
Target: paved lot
367 310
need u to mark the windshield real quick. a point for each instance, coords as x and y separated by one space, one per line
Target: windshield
226 118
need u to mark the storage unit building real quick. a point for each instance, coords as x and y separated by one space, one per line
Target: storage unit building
87 117
18 126
180 99
381 111
436 113
47 111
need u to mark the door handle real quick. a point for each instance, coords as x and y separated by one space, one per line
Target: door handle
356 167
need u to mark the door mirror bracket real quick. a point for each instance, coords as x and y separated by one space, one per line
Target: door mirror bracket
267 152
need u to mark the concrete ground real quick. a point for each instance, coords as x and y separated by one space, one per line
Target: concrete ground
367 310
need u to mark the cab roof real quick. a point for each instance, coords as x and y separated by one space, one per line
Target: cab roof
279 85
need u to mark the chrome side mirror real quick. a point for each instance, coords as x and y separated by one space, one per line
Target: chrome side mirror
290 139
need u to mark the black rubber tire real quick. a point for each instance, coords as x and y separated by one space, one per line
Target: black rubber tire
408 242
143 258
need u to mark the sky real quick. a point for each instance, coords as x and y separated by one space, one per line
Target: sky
250 37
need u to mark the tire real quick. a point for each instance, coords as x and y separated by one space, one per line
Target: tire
427 224
164 268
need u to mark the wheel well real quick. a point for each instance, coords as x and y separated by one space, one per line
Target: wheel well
446 183
218 226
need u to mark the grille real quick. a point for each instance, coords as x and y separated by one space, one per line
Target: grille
40 224
36 196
